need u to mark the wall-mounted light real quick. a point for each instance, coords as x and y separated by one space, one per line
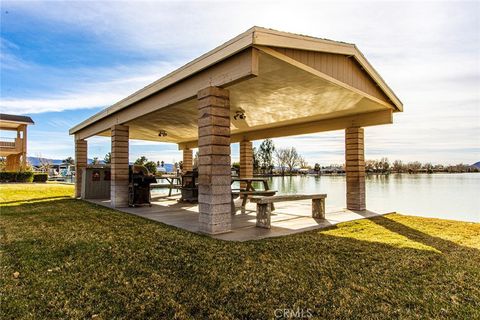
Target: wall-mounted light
239 115
162 133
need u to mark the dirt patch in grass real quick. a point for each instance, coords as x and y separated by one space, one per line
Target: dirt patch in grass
65 258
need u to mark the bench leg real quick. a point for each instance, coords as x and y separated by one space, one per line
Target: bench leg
272 207
232 205
244 203
318 208
263 215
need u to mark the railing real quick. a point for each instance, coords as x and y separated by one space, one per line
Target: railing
7 142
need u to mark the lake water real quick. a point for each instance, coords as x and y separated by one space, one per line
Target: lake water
446 196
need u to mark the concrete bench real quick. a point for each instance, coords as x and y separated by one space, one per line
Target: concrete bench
264 203
244 195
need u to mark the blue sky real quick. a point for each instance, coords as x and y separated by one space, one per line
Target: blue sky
61 62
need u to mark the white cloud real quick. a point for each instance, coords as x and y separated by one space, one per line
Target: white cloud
85 87
428 52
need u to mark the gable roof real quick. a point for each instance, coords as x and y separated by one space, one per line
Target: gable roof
15 118
255 36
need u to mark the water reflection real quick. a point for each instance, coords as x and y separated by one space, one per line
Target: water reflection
449 196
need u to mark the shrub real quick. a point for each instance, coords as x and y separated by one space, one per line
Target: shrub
40 177
8 176
24 176
16 176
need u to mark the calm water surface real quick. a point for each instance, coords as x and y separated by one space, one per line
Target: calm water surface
447 196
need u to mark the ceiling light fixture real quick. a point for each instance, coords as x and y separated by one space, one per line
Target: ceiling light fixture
162 133
239 115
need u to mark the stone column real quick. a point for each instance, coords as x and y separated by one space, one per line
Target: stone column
246 160
80 164
214 166
187 160
119 167
355 168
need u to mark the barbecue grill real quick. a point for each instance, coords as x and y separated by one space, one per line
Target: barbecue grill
139 186
189 187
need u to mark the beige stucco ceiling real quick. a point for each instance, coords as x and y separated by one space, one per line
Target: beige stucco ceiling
282 94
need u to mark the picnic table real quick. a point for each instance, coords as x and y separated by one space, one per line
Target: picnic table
249 183
249 191
174 182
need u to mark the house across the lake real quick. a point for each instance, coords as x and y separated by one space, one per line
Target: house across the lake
13 142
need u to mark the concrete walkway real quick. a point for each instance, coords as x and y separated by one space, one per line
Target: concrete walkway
288 218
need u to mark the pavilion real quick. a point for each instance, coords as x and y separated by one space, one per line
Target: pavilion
14 149
261 84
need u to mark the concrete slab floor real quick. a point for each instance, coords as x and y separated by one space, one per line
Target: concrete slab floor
288 217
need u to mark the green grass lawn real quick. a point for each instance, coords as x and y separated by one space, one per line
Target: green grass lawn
78 260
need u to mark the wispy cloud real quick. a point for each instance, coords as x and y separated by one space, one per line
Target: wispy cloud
85 87
428 52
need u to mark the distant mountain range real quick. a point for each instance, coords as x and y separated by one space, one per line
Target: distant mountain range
36 161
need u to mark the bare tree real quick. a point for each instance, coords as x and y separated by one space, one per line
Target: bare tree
280 159
288 157
384 164
302 162
292 158
370 165
398 166
428 167
414 167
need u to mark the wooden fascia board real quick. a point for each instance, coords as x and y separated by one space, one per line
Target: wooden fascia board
378 79
9 128
20 123
265 37
359 120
